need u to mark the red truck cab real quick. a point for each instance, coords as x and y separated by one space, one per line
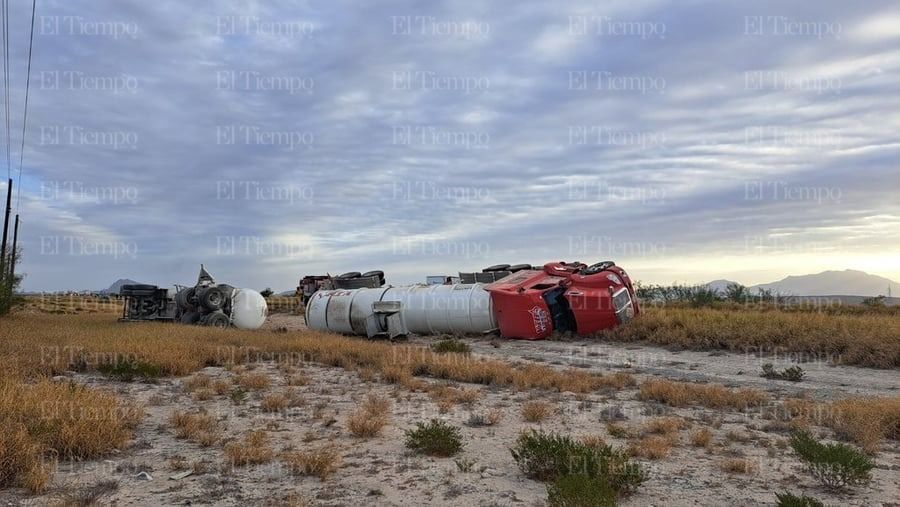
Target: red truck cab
563 297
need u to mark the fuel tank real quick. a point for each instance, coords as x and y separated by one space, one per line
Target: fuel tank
397 311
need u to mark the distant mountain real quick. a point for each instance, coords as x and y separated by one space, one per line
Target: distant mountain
832 283
719 285
117 285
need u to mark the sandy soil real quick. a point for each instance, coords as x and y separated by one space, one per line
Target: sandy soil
381 471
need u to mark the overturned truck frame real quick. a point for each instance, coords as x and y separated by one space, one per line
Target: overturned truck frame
529 304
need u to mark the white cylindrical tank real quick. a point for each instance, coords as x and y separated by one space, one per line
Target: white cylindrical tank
419 309
248 309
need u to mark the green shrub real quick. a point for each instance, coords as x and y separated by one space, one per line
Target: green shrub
451 345
547 457
792 373
580 490
834 465
436 438
787 499
129 370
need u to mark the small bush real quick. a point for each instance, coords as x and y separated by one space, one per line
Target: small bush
128 371
787 499
464 465
701 438
199 381
490 418
451 345
201 427
667 426
738 466
252 450
371 416
89 495
792 373
321 462
578 490
275 402
436 438
547 457
252 380
536 411
652 447
834 465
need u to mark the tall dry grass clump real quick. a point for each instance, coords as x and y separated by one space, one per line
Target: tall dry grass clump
201 427
320 462
65 420
536 410
680 394
865 421
253 449
370 417
868 339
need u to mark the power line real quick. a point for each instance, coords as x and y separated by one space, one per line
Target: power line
5 8
6 78
25 112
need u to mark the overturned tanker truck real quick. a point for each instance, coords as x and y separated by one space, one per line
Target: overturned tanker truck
529 304
206 303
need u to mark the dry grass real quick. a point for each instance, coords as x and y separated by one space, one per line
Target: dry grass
221 386
321 462
871 339
84 342
651 447
593 441
370 417
21 463
201 427
738 466
66 420
621 430
253 449
253 380
279 402
680 394
665 426
865 421
536 410
297 379
701 437
198 381
447 396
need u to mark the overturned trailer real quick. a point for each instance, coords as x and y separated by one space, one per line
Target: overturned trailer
527 304
206 303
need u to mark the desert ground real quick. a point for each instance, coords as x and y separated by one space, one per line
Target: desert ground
290 427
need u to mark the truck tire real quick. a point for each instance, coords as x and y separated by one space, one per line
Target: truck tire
190 295
217 319
378 273
349 275
190 317
518 267
593 269
181 300
495 267
212 298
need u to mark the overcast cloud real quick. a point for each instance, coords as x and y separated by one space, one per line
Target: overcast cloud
684 140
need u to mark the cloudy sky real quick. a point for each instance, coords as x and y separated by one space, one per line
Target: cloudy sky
685 140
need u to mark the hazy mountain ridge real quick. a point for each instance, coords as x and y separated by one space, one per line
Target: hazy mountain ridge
117 285
849 282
